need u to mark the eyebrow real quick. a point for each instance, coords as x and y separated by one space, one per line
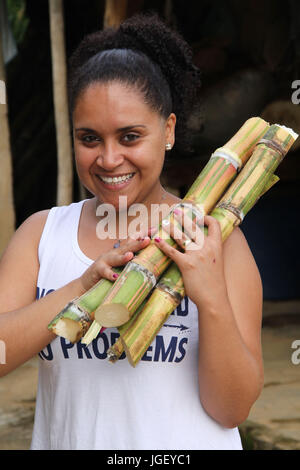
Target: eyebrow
121 129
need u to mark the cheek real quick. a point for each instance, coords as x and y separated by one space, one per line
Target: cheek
150 158
84 159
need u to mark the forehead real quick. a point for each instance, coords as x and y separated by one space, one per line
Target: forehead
114 102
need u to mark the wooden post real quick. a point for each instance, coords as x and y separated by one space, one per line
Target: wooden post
59 74
7 211
115 12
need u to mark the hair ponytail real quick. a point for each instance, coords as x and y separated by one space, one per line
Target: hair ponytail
143 52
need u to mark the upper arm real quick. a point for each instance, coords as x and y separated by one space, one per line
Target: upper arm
245 291
19 264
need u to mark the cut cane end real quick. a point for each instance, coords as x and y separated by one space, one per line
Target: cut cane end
289 130
112 315
112 356
91 333
70 329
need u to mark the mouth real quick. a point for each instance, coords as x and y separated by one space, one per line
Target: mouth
116 182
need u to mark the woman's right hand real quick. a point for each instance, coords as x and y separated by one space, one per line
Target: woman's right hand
102 267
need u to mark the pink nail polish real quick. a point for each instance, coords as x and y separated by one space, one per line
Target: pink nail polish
157 239
115 276
177 211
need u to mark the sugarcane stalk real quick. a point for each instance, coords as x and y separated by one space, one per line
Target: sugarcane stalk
171 283
151 262
76 318
164 299
140 275
131 288
116 350
273 180
91 333
256 178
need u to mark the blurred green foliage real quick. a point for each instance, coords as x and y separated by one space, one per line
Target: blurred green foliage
17 17
247 440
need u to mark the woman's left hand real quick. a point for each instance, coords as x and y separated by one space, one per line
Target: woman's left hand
201 263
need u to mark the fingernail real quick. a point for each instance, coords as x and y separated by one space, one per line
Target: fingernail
115 276
157 239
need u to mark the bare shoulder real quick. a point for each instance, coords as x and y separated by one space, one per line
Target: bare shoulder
29 232
19 263
26 237
37 220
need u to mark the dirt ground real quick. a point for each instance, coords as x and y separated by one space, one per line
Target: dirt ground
273 423
17 405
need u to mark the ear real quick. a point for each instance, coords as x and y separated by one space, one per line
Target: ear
170 129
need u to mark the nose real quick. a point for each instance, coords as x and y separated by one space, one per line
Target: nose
110 157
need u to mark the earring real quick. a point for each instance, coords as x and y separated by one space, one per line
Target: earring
168 146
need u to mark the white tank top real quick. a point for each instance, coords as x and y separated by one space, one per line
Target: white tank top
85 402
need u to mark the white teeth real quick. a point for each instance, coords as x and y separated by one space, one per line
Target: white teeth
115 179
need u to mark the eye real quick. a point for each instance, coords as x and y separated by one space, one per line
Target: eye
128 138
89 139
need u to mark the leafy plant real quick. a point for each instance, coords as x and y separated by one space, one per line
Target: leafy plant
17 17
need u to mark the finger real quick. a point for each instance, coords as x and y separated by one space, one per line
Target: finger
191 228
175 232
171 252
105 271
117 259
125 253
191 239
189 212
213 227
185 243
152 231
133 245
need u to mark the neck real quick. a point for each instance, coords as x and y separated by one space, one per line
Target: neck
137 218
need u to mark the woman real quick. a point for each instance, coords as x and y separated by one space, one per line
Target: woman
129 90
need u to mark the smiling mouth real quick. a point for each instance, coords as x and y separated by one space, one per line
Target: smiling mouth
116 179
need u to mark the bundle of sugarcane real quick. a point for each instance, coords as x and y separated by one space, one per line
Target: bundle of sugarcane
255 179
141 274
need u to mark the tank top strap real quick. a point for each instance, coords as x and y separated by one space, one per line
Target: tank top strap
61 226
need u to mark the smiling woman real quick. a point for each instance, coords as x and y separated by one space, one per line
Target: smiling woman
131 90
120 156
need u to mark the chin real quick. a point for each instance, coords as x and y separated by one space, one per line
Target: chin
115 202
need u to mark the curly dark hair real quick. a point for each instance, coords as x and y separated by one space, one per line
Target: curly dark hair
143 52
